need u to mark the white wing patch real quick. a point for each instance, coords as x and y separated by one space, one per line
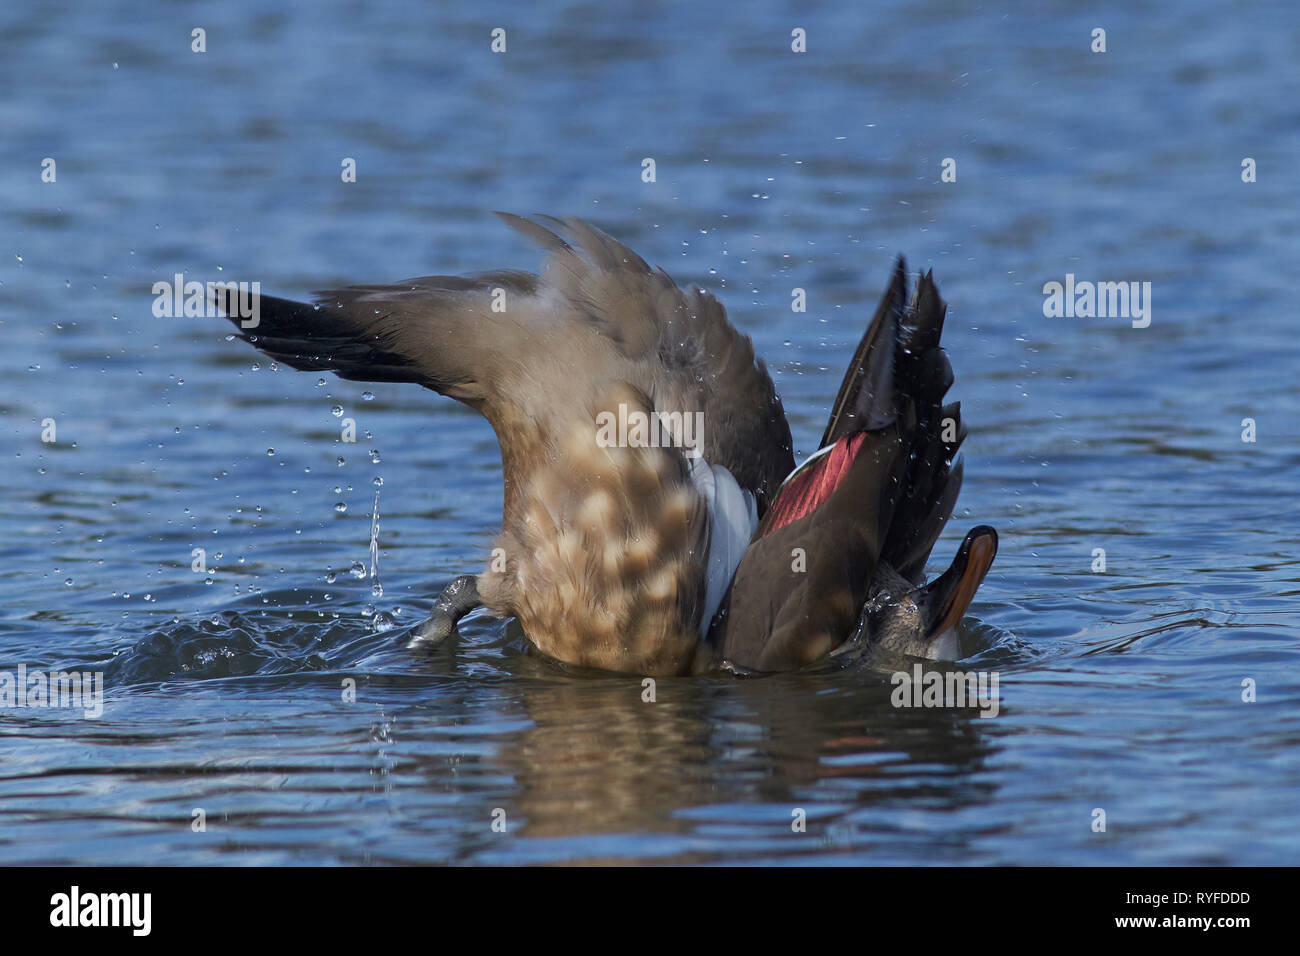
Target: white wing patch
733 516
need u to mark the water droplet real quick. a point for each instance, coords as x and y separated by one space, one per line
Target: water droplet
341 507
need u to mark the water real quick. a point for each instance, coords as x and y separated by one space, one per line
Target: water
224 688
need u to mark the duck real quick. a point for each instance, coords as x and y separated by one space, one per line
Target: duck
654 521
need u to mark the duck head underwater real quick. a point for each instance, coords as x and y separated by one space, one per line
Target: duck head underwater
654 521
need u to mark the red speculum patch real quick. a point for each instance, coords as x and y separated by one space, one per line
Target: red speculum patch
811 485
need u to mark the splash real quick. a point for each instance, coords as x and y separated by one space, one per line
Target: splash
376 588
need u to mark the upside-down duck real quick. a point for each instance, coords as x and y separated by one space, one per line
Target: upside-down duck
650 554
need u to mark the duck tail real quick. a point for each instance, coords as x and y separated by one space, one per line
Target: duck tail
922 377
875 497
866 396
899 372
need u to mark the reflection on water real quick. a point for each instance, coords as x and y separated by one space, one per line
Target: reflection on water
1121 684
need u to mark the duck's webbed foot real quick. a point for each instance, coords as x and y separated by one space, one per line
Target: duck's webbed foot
457 599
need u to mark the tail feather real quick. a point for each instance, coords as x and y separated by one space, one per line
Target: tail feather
923 376
899 372
866 396
867 507
911 538
899 365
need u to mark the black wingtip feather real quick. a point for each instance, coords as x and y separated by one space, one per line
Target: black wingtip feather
900 368
311 338
866 395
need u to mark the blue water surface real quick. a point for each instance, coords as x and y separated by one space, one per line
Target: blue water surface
1121 690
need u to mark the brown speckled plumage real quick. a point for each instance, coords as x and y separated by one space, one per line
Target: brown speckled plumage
595 329
603 551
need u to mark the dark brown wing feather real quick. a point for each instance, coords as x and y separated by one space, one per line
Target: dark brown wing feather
799 590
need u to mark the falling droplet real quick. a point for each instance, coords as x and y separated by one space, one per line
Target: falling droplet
374 542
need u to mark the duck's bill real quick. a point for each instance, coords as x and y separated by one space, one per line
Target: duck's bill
953 591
